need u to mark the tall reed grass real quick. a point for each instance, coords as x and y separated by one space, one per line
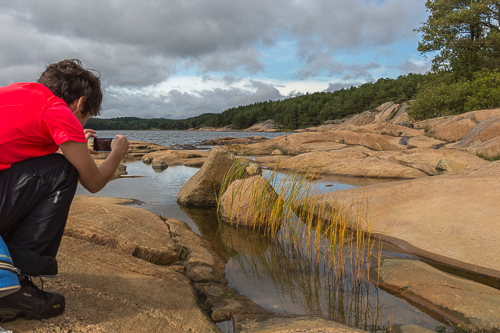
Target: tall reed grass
340 235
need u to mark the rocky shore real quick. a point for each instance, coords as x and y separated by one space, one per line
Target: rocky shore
443 209
123 269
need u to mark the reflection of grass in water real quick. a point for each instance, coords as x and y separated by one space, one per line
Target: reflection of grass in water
316 250
305 281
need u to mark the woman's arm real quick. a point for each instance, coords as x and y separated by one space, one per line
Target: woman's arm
94 177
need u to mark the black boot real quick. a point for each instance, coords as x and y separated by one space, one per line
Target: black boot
31 303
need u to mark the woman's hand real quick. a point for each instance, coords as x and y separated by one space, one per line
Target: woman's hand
90 133
120 145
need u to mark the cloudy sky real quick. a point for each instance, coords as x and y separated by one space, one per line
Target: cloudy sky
180 58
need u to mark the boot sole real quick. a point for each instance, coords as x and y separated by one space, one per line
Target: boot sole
11 314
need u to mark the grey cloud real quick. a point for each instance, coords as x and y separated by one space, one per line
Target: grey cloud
352 26
24 51
230 79
22 73
320 61
350 23
168 27
140 43
125 66
265 91
409 66
178 105
338 86
247 59
124 102
208 78
151 39
356 71
227 79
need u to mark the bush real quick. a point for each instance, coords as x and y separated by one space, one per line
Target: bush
440 99
449 98
486 91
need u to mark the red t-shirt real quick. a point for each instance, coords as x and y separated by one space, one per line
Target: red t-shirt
33 123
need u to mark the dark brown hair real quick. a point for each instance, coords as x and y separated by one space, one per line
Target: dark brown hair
69 81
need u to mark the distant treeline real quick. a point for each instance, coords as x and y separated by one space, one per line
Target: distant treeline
293 113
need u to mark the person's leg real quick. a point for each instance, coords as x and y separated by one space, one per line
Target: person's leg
36 195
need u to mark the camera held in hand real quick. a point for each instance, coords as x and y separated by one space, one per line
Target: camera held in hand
102 144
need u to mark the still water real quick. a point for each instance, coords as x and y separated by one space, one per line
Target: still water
171 138
276 274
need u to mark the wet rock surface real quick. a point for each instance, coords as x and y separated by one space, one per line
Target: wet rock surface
458 300
225 302
159 165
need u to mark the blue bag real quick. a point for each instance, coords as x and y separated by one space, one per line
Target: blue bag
9 283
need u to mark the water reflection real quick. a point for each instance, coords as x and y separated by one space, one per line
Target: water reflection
300 280
226 240
282 276
307 284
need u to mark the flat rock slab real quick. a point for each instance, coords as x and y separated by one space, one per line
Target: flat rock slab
284 324
232 141
104 222
140 147
270 162
386 129
192 158
349 163
456 299
424 141
439 161
361 162
452 219
297 143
